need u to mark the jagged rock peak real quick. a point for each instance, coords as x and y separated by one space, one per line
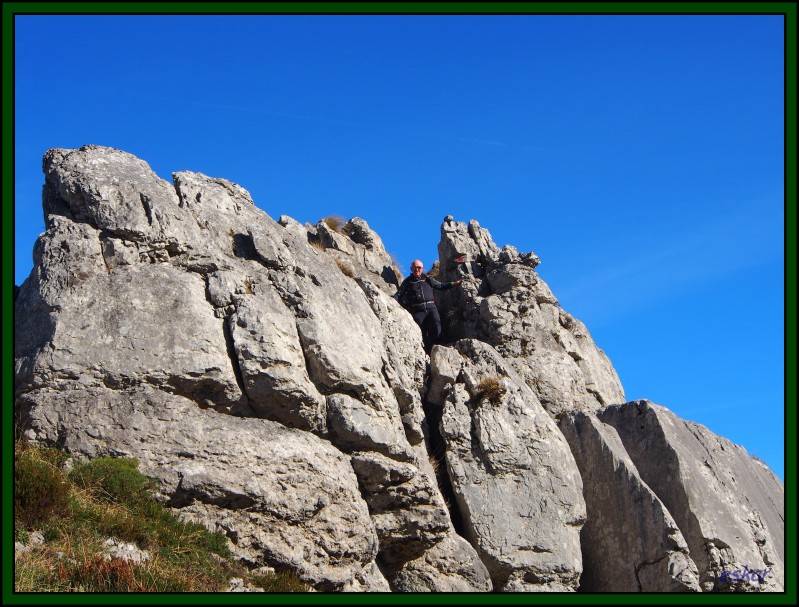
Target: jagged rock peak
504 302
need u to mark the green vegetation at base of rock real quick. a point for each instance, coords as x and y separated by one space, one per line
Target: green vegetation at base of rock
77 511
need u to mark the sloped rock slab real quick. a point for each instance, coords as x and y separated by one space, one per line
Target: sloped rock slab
517 486
728 505
630 542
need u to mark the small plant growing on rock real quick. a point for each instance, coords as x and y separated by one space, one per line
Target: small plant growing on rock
345 267
491 389
335 223
317 243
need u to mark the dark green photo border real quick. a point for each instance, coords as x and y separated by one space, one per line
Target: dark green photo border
10 9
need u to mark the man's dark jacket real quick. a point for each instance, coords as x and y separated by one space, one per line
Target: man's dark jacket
417 293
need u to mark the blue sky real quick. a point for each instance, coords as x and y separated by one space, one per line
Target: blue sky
640 157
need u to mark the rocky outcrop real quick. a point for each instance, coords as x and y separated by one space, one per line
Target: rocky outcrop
728 505
285 497
517 487
263 374
505 303
189 292
630 541
358 251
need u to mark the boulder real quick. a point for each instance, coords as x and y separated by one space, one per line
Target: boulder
451 565
145 289
359 253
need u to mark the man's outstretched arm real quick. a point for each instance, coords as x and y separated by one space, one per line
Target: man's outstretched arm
442 286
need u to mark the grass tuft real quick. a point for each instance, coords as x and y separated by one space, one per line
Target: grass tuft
280 581
345 267
113 480
40 488
491 389
335 223
109 497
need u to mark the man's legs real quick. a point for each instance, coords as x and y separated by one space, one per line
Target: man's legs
420 318
433 321
430 324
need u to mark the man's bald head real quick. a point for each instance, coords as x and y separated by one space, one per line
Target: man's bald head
416 267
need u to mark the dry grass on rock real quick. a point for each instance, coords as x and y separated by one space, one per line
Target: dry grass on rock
491 389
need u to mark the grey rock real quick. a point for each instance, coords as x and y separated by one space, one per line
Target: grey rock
282 496
78 320
20 549
502 301
271 361
356 426
189 289
126 551
404 360
369 579
517 486
451 565
405 504
630 542
728 505
36 538
361 251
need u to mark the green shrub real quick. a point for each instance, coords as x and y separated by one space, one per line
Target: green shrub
40 489
113 479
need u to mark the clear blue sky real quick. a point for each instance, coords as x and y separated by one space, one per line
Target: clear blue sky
640 157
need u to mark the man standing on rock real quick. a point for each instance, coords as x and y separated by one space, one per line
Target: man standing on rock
415 294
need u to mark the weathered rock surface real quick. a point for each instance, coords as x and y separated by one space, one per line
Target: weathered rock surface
503 302
285 497
359 252
126 551
190 290
517 486
728 505
449 566
369 579
630 541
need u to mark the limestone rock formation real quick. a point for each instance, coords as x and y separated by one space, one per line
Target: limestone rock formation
517 486
263 374
504 302
630 540
358 251
729 506
282 495
188 291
